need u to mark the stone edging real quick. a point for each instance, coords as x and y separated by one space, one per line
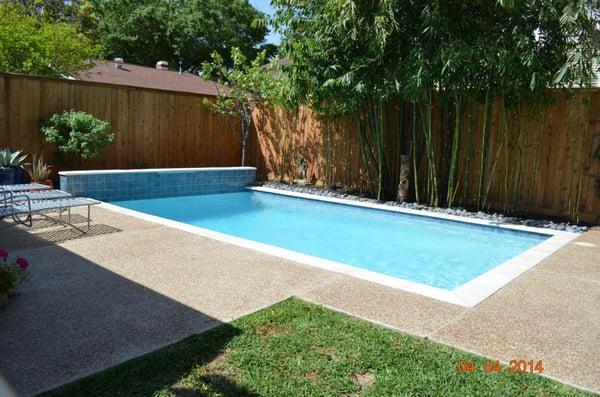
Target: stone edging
495 217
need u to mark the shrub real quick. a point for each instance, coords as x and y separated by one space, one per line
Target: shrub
78 133
12 272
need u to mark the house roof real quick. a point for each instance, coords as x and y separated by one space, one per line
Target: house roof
146 77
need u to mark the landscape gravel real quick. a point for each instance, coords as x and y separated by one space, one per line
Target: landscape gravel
494 217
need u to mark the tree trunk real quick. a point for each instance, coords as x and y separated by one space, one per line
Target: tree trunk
244 140
404 178
246 121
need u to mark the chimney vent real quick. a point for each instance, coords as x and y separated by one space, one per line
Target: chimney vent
162 65
119 63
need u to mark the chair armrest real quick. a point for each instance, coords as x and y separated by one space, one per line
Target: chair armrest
26 197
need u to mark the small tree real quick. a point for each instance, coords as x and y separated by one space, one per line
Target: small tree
78 133
239 89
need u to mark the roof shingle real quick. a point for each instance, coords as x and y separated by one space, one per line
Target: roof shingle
146 77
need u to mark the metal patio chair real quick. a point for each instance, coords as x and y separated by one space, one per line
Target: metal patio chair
21 208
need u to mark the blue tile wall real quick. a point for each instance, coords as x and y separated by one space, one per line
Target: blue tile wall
116 186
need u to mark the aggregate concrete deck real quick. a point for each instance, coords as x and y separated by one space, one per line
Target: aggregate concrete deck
132 286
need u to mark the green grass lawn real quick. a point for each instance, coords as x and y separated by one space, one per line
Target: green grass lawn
299 349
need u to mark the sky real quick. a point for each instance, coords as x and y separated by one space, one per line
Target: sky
265 6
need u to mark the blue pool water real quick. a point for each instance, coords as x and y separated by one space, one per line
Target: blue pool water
440 253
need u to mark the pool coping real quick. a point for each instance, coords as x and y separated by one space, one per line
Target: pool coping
468 295
152 170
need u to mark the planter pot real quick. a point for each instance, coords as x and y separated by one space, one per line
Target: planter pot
3 299
7 176
47 182
18 173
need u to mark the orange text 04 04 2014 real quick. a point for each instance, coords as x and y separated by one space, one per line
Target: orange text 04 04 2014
517 366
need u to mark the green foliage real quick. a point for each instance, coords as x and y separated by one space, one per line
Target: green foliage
173 31
79 13
353 56
352 49
10 159
78 133
239 88
32 46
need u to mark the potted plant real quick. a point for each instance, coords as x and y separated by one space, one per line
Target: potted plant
12 273
11 164
39 172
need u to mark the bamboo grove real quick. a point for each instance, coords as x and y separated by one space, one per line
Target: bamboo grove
424 80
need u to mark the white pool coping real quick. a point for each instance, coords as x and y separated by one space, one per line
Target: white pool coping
153 170
468 295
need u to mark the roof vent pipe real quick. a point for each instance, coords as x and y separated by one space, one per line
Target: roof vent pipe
162 65
119 63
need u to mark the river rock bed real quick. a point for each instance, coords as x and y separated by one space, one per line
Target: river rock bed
494 217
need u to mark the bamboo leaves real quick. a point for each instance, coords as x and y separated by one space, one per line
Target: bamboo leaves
442 59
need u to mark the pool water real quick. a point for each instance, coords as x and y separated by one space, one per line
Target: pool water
440 253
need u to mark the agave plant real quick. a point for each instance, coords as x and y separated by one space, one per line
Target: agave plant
38 170
9 159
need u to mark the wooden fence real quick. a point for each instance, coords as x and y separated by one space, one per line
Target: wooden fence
153 128
552 149
538 161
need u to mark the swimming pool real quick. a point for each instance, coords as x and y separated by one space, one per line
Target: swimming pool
438 253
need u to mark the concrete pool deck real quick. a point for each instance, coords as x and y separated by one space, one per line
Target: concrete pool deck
133 286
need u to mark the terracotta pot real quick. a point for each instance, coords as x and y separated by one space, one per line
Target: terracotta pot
3 299
47 182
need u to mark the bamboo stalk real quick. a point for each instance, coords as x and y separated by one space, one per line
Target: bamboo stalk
452 185
433 182
402 175
538 127
483 156
505 171
414 146
445 147
385 183
377 131
367 152
469 154
491 176
521 143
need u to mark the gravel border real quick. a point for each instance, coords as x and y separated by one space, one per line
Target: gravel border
495 217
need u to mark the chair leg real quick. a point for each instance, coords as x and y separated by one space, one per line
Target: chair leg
28 221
